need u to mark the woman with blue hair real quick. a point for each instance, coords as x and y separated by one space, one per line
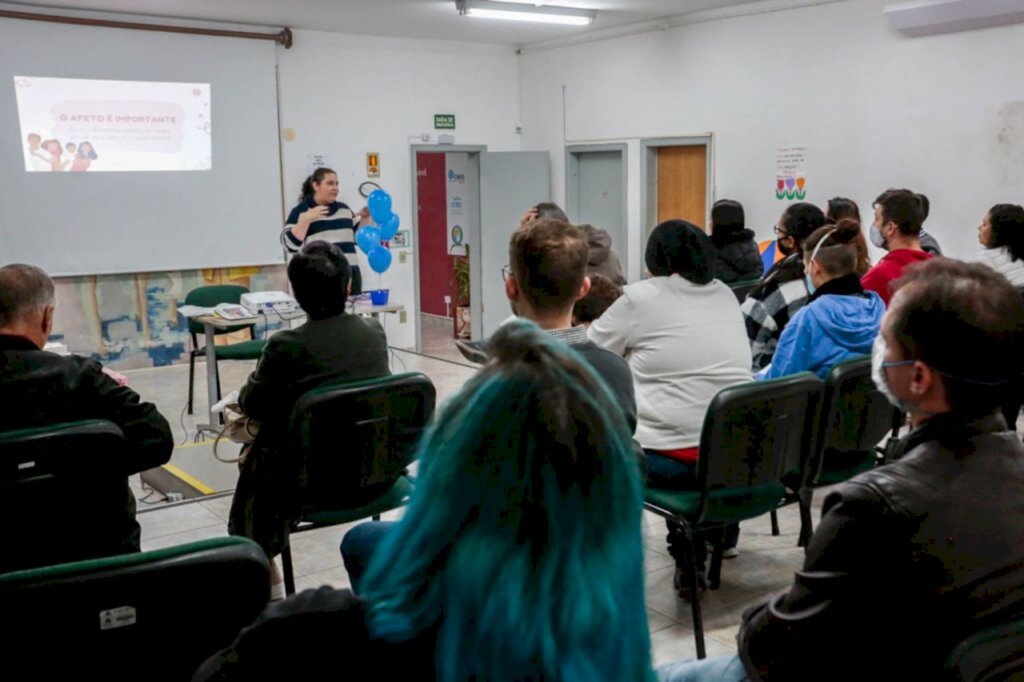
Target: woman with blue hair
519 556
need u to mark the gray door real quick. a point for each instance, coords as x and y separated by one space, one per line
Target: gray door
596 192
510 183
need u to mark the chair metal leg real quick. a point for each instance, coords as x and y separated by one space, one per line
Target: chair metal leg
715 570
216 371
191 378
289 573
775 524
806 522
689 549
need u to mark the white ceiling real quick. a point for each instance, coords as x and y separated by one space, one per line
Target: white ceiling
434 19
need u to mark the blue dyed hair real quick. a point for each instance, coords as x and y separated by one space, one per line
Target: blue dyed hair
521 545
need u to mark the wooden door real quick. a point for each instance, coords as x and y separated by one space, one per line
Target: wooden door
683 184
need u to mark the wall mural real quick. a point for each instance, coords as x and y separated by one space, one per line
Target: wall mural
130 321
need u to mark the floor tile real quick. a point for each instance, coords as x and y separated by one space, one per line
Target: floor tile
677 644
177 519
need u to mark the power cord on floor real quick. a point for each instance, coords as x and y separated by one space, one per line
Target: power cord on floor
150 491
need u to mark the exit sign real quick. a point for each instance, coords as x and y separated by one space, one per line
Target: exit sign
444 121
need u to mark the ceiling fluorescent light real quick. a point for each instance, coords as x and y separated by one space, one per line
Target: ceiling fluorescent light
510 11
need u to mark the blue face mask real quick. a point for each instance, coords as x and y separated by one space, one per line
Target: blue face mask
810 284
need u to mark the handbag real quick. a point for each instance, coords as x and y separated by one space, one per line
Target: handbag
238 428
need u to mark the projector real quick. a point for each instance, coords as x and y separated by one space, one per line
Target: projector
269 302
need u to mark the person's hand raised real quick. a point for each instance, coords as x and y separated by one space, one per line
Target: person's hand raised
314 214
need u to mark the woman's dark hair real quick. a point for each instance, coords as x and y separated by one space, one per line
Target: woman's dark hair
728 223
837 253
800 220
966 322
841 207
317 177
677 247
92 152
1007 222
320 275
603 292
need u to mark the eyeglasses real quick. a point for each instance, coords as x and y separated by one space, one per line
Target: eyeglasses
779 233
506 272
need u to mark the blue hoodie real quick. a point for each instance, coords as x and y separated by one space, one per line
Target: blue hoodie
826 331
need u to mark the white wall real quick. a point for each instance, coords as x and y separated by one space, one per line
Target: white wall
875 109
346 95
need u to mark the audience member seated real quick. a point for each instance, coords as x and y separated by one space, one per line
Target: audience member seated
913 557
519 557
897 229
737 258
682 332
332 346
929 244
602 260
1002 234
840 320
38 388
603 292
769 306
839 208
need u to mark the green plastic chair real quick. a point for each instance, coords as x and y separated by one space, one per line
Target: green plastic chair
992 655
155 614
208 297
854 418
753 435
352 444
64 494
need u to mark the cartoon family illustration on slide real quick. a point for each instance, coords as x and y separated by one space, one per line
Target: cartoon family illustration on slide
49 155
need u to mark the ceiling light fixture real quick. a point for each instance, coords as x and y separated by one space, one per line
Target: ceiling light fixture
511 11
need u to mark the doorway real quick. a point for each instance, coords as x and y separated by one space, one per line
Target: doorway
595 190
468 201
678 180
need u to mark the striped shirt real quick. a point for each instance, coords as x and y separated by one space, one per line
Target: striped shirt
338 228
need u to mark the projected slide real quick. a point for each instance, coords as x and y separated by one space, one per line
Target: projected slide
77 125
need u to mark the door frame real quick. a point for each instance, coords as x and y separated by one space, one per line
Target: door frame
649 175
474 163
572 165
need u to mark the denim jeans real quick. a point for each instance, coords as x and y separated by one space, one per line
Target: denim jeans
718 669
358 545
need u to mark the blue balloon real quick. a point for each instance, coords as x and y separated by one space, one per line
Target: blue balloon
379 203
368 238
380 259
389 228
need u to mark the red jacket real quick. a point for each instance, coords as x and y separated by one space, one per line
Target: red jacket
878 278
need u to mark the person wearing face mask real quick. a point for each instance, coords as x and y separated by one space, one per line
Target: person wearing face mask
840 320
926 551
770 305
897 228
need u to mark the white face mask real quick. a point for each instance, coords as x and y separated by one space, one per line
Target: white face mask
876 236
878 364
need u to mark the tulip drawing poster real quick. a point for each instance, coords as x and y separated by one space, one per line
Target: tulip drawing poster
791 173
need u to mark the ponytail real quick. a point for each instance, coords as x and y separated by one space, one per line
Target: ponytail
317 177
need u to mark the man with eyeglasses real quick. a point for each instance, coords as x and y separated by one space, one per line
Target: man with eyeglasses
912 558
782 292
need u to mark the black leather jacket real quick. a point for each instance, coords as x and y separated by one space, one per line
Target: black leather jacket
908 560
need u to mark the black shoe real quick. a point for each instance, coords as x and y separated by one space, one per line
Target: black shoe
681 584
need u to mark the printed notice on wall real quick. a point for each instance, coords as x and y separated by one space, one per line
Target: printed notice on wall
456 165
791 172
73 124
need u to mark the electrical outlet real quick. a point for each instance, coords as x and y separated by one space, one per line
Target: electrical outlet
175 497
402 317
403 256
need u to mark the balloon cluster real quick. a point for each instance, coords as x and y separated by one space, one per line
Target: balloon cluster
384 227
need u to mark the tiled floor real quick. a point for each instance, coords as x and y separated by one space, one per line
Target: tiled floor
765 564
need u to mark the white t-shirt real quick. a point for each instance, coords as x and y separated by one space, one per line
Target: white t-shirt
1001 261
40 160
684 343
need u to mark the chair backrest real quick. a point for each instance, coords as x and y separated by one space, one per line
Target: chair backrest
64 495
158 613
992 655
741 289
855 416
755 433
209 296
352 441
